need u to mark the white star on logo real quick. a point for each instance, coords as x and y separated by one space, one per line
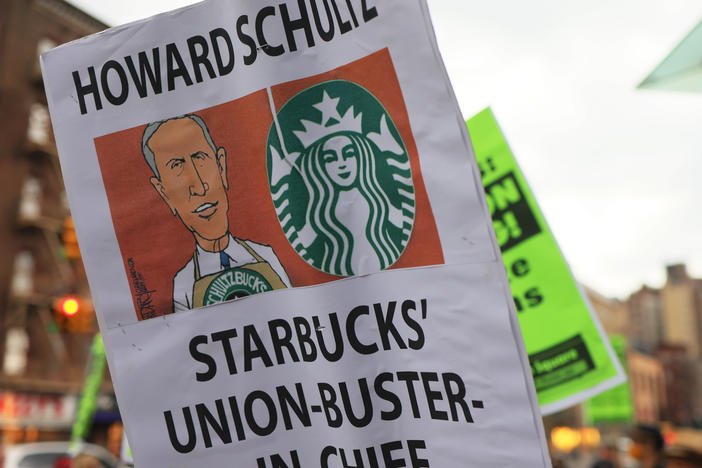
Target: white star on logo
328 108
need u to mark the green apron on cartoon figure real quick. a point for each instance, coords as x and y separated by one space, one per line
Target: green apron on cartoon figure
245 280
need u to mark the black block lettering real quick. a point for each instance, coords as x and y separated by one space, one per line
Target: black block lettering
199 58
387 449
304 333
386 325
331 411
410 378
146 70
225 337
215 36
219 424
355 343
520 267
533 296
326 34
236 417
367 416
387 396
413 446
273 51
407 306
372 457
83 90
203 358
433 395
280 342
253 348
278 462
272 414
192 438
175 67
352 13
327 452
299 406
368 14
338 340
358 459
246 39
344 26
456 397
290 26
114 99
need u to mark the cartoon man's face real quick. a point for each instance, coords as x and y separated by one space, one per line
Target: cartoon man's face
193 177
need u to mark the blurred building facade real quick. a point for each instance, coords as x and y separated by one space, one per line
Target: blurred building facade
681 312
645 319
611 312
647 384
665 333
42 352
681 344
679 384
663 330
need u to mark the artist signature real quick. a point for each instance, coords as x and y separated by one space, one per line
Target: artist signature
142 293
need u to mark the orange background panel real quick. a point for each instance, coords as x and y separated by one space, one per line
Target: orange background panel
155 244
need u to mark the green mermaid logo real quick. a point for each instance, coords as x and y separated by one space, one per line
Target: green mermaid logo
341 182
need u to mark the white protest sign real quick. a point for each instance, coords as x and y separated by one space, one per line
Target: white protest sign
287 245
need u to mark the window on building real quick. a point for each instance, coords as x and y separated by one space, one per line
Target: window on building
38 131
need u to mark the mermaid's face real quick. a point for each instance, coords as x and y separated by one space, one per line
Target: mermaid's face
340 160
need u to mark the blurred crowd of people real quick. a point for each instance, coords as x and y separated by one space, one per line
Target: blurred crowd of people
80 461
647 449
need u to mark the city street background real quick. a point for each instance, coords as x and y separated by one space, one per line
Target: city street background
614 168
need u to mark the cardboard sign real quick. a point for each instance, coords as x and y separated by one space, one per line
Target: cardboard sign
614 406
570 356
288 249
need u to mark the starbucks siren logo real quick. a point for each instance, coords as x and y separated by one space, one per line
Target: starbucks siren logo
235 283
341 181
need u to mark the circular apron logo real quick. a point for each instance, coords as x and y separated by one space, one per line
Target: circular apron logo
340 179
235 283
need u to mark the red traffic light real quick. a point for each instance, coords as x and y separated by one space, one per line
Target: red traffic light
69 306
73 314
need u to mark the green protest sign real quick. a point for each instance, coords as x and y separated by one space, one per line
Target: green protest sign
570 357
91 387
614 405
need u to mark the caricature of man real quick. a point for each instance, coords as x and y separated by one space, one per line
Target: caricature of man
190 175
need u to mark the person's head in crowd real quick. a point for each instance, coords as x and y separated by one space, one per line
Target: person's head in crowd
608 457
85 461
647 446
681 457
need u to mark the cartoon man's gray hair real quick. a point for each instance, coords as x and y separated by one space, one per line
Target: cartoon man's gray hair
153 128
